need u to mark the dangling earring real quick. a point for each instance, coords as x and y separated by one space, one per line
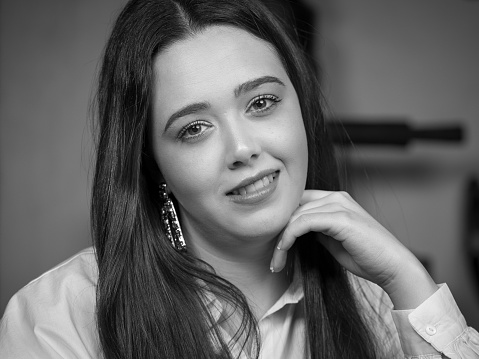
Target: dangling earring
170 221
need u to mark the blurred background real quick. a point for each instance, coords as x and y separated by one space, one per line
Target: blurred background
413 62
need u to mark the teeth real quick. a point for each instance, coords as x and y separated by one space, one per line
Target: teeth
258 184
263 182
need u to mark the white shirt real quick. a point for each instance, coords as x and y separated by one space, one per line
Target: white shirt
54 317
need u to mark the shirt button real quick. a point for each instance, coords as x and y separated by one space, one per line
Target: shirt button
430 330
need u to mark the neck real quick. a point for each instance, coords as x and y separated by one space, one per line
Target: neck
247 268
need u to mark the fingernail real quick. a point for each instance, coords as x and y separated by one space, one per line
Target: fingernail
271 265
280 243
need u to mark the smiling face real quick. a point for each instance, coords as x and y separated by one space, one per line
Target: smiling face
228 137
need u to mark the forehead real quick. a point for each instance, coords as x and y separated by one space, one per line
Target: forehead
212 62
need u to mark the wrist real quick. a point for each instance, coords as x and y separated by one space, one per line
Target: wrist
412 286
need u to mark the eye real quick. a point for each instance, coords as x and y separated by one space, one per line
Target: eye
194 130
263 103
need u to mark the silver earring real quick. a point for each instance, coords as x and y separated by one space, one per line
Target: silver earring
170 221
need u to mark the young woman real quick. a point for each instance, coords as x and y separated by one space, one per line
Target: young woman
210 107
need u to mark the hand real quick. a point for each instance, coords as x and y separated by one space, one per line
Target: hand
359 243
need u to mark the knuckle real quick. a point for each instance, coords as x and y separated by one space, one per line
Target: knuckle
338 196
300 223
289 234
303 219
345 195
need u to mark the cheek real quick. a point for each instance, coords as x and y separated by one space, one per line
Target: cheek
299 153
294 142
188 174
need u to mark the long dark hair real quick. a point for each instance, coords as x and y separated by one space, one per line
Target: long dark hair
150 298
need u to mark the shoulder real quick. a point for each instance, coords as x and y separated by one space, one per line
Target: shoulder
54 315
80 269
71 284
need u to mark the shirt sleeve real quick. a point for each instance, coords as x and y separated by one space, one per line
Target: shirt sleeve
53 317
436 329
30 332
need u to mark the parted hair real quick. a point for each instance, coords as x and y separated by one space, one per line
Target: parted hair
150 297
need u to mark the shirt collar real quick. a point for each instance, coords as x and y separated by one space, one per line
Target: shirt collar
293 295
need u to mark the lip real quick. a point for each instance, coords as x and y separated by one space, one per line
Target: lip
259 195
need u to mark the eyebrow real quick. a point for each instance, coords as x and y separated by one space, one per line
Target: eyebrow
252 84
185 111
241 89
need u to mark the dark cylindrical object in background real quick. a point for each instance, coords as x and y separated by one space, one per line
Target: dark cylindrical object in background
390 133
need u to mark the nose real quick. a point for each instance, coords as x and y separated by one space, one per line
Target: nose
242 143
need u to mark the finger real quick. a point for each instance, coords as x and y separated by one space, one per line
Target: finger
317 207
329 223
334 247
278 262
311 199
313 195
341 255
317 222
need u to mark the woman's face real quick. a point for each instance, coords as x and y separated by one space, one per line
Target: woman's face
228 136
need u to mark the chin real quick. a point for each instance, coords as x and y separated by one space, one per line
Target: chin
263 231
